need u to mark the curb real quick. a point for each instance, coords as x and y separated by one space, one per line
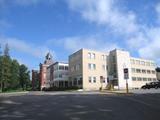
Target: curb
14 94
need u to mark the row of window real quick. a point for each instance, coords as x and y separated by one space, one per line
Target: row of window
61 67
93 56
92 79
143 63
134 70
75 68
60 75
143 79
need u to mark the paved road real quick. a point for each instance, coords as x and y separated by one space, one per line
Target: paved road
39 106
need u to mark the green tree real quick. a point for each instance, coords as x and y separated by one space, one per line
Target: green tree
14 79
6 65
1 68
24 75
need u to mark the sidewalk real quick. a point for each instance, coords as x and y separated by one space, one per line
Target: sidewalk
14 93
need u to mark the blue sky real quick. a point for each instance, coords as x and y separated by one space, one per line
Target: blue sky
34 27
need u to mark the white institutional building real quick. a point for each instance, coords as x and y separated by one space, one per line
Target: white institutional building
92 70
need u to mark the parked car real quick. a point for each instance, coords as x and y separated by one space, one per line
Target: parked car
151 85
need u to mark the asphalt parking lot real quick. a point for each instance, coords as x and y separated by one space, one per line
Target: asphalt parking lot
145 91
80 106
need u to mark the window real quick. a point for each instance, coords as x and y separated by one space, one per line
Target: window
152 64
89 66
153 72
144 79
104 67
138 70
133 70
93 56
104 57
143 71
61 67
89 55
94 79
60 75
90 79
154 79
149 79
147 63
78 67
134 78
148 71
66 67
94 66
137 62
142 63
139 79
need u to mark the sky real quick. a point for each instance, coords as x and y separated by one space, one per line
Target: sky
34 27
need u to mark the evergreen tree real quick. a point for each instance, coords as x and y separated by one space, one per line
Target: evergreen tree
24 76
6 50
14 80
6 71
1 68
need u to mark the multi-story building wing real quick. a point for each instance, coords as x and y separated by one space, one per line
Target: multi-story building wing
92 70
143 71
60 75
88 69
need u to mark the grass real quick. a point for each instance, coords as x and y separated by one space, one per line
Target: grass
13 90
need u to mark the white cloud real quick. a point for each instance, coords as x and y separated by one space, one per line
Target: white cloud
73 44
25 47
106 12
138 37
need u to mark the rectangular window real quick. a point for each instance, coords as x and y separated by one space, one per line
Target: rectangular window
94 79
89 66
89 55
139 79
148 71
147 63
137 62
149 79
133 70
144 79
61 67
93 56
66 67
153 72
94 66
138 70
134 78
103 67
152 64
142 63
89 79
143 71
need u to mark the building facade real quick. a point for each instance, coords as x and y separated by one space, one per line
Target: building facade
92 70
35 80
44 82
88 69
